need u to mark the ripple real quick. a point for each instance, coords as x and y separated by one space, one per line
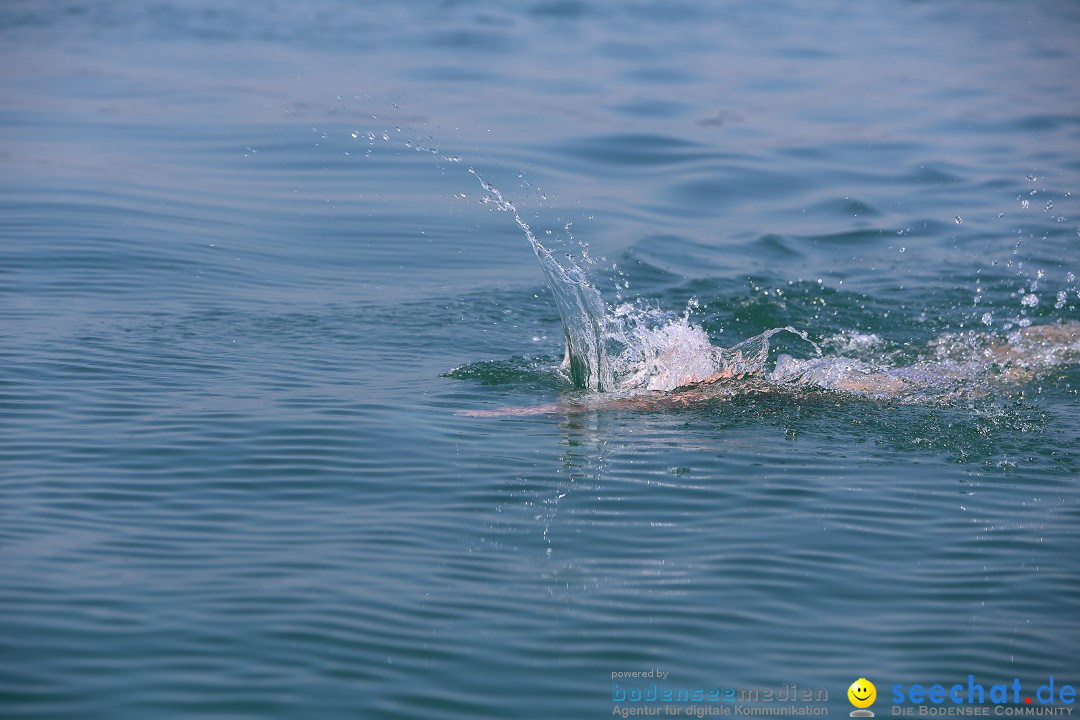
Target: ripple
620 151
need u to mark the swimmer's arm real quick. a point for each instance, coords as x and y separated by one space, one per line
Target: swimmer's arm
549 409
686 397
639 402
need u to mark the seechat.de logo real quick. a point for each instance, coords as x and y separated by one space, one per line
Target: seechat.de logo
862 695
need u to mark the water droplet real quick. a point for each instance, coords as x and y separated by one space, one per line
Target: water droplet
987 318
959 220
355 134
1025 204
1062 296
1030 300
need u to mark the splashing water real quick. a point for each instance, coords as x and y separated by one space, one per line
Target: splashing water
631 349
583 311
673 353
628 348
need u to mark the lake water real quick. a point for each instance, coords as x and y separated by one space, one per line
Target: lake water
248 285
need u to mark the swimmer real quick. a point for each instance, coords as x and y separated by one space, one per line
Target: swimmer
680 378
680 368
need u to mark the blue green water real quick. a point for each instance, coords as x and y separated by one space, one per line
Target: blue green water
248 285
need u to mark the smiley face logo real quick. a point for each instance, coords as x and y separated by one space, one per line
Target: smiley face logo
862 694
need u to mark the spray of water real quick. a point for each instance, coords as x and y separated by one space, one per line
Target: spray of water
583 311
629 348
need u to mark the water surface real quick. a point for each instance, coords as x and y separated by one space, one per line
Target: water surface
247 285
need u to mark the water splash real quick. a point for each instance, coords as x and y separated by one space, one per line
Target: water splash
673 352
583 311
632 348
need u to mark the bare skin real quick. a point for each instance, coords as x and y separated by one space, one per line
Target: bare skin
1014 359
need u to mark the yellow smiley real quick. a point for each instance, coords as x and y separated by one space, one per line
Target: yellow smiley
862 693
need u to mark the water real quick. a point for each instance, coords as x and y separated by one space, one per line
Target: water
241 330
